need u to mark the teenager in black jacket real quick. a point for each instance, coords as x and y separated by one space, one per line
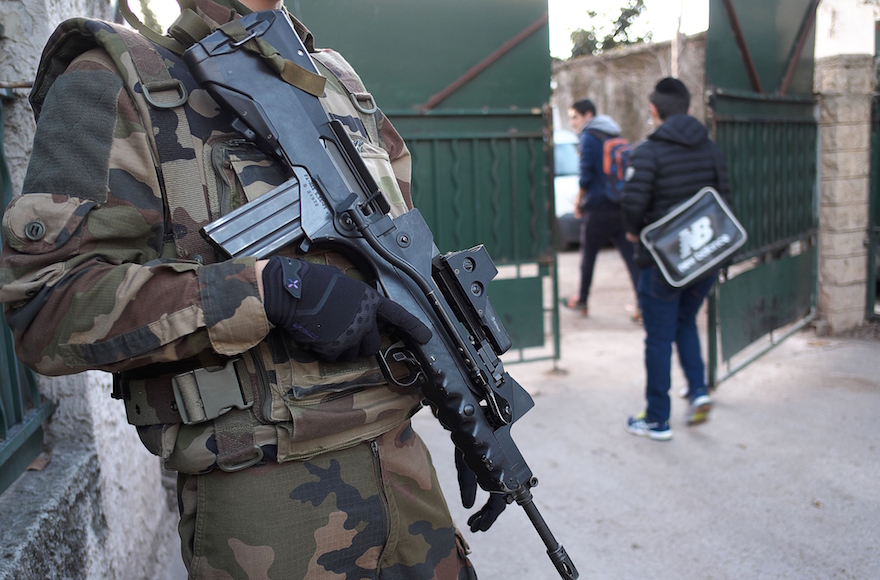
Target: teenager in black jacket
666 169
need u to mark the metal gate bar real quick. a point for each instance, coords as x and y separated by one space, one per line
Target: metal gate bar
22 409
871 310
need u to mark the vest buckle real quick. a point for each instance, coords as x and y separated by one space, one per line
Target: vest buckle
206 393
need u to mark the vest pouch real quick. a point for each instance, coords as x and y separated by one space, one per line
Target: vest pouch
241 172
319 405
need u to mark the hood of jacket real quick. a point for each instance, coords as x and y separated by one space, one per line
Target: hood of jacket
603 123
681 129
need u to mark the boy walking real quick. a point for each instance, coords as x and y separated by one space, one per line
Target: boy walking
670 166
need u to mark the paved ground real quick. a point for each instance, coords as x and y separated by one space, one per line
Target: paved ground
783 482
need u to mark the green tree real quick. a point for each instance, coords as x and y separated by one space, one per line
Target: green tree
149 17
601 36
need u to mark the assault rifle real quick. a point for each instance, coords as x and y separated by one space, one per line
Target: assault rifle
331 199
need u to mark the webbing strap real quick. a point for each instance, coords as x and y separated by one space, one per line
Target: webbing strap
289 71
178 164
189 28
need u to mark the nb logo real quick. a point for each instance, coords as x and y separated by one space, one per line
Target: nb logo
695 237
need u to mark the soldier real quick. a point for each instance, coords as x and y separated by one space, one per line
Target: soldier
316 470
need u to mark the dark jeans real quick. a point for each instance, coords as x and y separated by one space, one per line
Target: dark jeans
597 227
670 315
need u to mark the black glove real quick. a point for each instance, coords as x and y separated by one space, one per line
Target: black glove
483 519
467 482
336 316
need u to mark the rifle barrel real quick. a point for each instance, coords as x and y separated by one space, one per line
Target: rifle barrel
555 550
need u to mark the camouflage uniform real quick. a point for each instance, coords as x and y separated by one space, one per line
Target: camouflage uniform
100 251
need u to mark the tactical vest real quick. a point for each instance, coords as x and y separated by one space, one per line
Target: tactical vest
276 401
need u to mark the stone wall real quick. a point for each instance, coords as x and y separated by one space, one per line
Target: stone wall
844 85
98 509
620 81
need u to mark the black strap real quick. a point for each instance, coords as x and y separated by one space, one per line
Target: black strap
717 159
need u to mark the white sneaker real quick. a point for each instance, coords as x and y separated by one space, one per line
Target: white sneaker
698 411
638 425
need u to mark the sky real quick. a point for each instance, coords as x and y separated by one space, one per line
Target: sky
842 26
660 16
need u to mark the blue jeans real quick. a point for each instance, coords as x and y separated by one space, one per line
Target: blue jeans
670 315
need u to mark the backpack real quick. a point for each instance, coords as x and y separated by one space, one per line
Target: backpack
615 159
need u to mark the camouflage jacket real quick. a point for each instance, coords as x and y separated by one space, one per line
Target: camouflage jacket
99 271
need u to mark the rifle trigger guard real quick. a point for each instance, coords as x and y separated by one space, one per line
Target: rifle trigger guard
398 352
499 408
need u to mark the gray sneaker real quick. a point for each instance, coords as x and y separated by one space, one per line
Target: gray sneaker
698 411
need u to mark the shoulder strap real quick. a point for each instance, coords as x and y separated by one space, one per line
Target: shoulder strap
361 99
165 97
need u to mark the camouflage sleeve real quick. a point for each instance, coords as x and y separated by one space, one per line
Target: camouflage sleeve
401 162
82 273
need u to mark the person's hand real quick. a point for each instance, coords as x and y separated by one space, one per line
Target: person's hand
630 237
578 212
467 483
483 519
338 317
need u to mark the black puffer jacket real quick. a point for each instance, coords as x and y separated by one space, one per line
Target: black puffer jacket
670 166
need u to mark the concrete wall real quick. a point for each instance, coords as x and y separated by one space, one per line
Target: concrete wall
98 509
844 85
619 83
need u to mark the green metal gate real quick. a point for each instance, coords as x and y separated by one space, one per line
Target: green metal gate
873 303
22 410
763 117
466 83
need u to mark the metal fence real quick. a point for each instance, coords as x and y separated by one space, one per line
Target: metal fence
771 148
477 181
22 409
